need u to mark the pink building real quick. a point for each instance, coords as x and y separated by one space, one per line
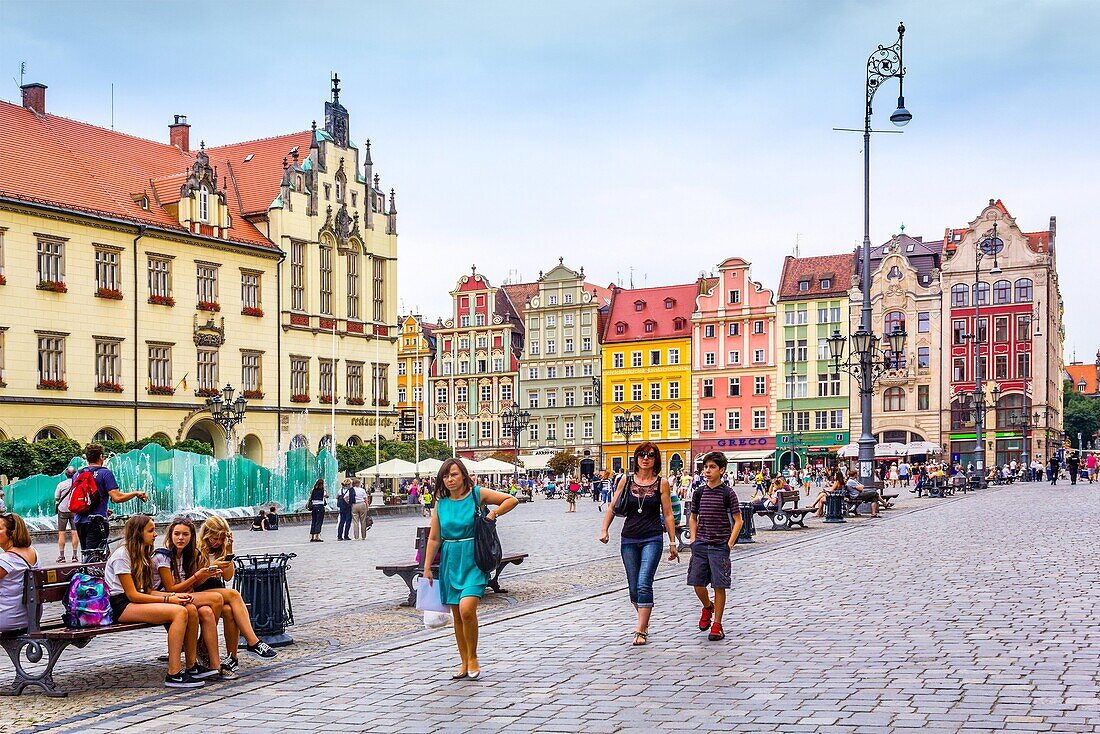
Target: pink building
733 367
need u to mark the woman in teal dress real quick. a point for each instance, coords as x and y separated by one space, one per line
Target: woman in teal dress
461 582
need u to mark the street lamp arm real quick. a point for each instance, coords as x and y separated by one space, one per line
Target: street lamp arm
885 63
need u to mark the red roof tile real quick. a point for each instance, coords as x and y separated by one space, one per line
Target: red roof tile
1086 372
55 161
838 269
660 307
259 178
520 294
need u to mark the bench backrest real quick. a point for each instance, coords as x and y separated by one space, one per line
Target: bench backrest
48 585
786 496
422 544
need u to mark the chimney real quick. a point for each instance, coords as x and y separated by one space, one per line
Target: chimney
34 97
179 133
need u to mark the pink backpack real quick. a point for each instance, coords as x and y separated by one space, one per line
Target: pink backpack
88 603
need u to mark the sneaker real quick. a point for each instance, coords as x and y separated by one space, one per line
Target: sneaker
200 672
262 649
232 663
227 673
182 680
716 633
704 620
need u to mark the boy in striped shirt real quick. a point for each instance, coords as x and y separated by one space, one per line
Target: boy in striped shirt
714 525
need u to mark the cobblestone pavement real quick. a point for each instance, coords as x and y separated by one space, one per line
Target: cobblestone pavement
972 614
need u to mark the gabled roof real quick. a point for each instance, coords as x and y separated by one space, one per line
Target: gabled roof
623 310
1086 372
258 180
52 160
520 294
838 269
1037 242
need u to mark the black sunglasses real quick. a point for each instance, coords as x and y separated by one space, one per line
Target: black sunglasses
647 455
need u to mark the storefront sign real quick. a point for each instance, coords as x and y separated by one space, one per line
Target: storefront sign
369 421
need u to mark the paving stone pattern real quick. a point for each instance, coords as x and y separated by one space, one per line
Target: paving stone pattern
970 615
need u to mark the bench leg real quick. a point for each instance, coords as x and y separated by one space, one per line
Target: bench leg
408 579
494 583
33 651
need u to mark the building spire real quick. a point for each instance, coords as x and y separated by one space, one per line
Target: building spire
336 89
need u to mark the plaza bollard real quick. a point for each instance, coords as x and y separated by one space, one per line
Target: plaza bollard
834 507
748 529
261 579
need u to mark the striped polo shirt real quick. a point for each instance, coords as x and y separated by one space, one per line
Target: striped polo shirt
713 523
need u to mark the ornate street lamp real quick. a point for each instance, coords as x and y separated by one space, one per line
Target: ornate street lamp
517 421
227 413
864 362
628 424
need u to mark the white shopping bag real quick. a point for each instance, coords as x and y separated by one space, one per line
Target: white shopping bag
435 620
427 597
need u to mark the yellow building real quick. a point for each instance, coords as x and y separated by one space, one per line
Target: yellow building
646 379
415 351
137 278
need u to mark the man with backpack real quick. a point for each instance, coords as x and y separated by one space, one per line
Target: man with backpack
93 488
64 514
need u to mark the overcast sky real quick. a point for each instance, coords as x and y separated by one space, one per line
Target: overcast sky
644 140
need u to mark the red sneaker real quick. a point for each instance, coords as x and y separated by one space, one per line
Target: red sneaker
716 633
708 614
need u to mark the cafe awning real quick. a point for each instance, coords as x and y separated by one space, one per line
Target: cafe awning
734 457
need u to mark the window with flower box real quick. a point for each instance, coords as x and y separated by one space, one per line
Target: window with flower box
298 275
252 374
51 263
206 286
160 369
51 361
251 305
208 383
160 281
108 276
299 379
380 381
326 380
108 369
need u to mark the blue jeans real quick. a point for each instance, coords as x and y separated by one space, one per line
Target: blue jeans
344 526
640 560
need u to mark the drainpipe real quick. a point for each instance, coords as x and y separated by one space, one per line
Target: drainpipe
137 383
279 351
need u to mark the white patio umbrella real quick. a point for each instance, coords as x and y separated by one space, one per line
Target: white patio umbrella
851 451
428 467
493 466
916 448
389 469
882 450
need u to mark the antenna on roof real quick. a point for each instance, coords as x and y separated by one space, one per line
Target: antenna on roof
22 73
797 239
112 105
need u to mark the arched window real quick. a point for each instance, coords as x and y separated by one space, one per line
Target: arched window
106 434
354 441
1024 290
893 320
960 295
204 205
298 442
353 284
326 279
893 400
1009 407
981 294
49 432
1002 292
962 416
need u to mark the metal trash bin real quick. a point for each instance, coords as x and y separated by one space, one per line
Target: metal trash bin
261 579
748 528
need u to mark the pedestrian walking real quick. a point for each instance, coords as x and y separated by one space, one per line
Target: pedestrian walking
316 505
1073 463
1053 465
65 522
344 501
360 512
461 582
1090 464
104 491
714 524
648 498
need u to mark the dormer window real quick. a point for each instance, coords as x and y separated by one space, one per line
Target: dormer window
669 303
650 325
679 323
803 285
826 283
145 203
620 328
639 305
204 205
1081 385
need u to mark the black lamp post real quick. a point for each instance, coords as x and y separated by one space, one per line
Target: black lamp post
628 424
1024 422
882 65
989 245
517 421
794 440
227 413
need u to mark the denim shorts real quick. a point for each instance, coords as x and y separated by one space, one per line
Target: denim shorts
710 565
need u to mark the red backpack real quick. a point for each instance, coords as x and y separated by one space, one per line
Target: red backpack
85 493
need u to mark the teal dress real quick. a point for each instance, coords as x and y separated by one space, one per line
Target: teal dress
459 575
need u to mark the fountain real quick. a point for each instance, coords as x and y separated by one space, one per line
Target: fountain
182 482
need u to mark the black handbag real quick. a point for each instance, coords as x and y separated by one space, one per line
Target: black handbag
619 508
487 550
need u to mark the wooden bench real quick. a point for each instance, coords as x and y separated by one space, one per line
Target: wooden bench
48 641
785 518
410 571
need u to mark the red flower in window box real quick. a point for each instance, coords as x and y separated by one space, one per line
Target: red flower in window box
299 398
3 279
112 294
326 399
54 286
253 394
53 385
252 311
355 401
162 300
207 392
211 306
161 390
108 387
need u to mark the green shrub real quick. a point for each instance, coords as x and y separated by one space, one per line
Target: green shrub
194 447
54 454
18 459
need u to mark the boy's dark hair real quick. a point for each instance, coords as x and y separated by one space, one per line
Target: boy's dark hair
93 452
717 458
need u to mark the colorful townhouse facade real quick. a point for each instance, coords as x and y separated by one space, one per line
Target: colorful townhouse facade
559 376
813 405
647 373
415 352
1011 302
733 368
905 294
266 264
474 375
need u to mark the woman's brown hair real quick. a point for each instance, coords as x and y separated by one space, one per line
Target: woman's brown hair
190 554
141 565
648 446
17 530
440 487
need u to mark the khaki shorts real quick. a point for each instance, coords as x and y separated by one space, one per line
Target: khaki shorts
65 521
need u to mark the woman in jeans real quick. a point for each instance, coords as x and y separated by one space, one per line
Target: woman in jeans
648 499
316 505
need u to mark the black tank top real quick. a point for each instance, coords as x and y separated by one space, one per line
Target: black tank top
643 515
